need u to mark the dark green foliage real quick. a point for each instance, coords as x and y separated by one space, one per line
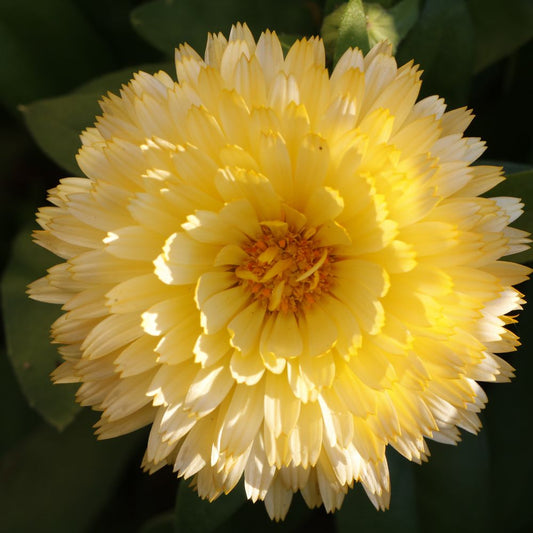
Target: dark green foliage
58 58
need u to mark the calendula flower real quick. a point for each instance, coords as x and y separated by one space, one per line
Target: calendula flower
282 271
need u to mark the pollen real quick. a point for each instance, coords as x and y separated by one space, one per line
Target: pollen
287 273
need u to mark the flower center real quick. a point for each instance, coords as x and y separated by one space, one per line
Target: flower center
286 270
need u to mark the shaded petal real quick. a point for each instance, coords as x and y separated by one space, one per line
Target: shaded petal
217 311
246 328
282 408
284 338
246 368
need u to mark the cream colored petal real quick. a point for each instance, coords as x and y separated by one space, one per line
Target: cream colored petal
67 228
154 212
133 422
315 93
305 54
242 215
258 474
67 331
275 163
241 32
311 164
380 70
97 267
243 419
103 208
358 397
234 158
188 64
184 259
482 179
128 396
305 441
284 339
333 234
348 335
204 130
87 304
361 285
249 82
214 50
320 332
43 291
418 136
137 294
352 58
236 183
177 344
231 56
246 328
373 368
318 371
195 451
246 368
283 91
282 408
55 245
210 348
209 387
324 204
212 283
235 220
278 500
338 423
217 311
233 114
231 254
170 385
134 242
456 120
399 96
138 357
112 333
165 315
269 54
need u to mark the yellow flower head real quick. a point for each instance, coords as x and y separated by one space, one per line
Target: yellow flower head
282 271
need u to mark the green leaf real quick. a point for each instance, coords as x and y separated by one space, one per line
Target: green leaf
500 27
229 512
442 42
167 23
194 515
391 25
27 325
519 185
344 28
59 481
510 433
299 519
16 417
453 488
46 47
56 123
162 523
405 14
358 513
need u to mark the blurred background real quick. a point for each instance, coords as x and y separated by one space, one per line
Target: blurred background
57 57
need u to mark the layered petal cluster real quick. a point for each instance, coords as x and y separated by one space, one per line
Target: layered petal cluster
280 270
